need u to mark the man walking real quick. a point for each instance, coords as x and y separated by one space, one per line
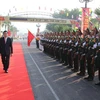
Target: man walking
6 50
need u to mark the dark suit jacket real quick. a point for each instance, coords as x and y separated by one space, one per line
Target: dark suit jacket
6 48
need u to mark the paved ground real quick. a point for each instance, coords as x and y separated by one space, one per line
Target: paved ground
52 81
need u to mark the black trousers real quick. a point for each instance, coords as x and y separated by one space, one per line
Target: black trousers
99 74
5 61
82 65
90 69
37 43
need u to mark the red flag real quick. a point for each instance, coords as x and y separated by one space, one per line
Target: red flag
30 37
9 33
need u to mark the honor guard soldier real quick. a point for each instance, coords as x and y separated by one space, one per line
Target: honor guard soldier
61 46
82 51
54 44
76 55
57 46
90 65
70 56
65 49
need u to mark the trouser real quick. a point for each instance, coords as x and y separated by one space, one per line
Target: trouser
65 56
99 74
76 62
57 53
51 51
61 55
54 51
90 68
44 48
70 62
37 43
82 65
5 61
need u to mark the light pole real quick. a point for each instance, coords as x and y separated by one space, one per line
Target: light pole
86 1
37 35
38 28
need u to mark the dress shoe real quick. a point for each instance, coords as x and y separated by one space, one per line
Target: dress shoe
69 67
74 70
54 58
86 78
57 59
90 79
61 61
6 71
80 74
98 84
64 64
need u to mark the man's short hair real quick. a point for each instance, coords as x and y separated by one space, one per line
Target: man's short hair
4 32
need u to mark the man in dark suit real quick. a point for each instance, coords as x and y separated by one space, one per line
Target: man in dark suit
6 50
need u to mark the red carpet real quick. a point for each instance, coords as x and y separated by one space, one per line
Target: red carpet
15 85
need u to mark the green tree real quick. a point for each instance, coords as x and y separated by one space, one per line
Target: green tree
13 30
94 21
6 24
97 12
64 14
9 26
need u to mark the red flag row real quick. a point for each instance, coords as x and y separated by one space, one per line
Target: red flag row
45 8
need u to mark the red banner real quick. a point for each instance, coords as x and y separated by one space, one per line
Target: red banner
85 19
9 33
2 18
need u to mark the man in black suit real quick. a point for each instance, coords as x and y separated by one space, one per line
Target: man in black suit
6 50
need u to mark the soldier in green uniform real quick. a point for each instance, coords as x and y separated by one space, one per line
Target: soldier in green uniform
90 59
82 52
76 56
61 46
57 47
70 54
65 49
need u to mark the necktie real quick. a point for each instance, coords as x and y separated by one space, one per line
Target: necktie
5 40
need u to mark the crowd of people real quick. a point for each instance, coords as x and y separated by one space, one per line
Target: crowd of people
78 51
